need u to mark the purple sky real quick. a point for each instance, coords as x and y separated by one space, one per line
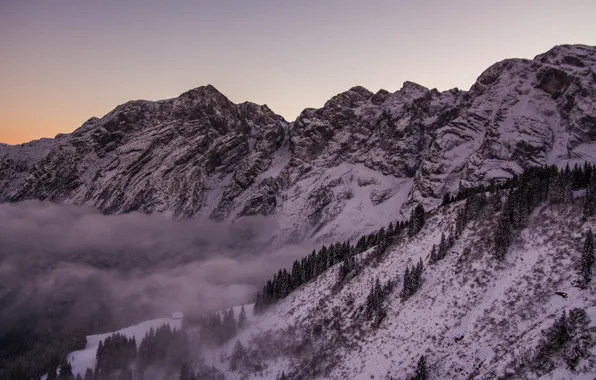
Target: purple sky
64 61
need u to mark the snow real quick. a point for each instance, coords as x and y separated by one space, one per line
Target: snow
280 159
498 308
83 359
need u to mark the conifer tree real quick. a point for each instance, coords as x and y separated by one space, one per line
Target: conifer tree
421 370
52 374
559 332
416 220
65 371
418 275
443 247
242 318
433 255
185 372
502 238
496 201
407 282
237 356
587 258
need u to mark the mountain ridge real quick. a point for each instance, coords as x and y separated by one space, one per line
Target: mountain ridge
201 155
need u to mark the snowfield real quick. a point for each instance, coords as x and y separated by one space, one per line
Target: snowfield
83 359
473 317
496 310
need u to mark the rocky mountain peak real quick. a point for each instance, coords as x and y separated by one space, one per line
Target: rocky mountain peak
350 98
573 56
361 154
412 87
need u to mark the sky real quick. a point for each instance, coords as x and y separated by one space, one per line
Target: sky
64 61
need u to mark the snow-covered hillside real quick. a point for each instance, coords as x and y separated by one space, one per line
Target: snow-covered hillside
361 154
83 359
474 316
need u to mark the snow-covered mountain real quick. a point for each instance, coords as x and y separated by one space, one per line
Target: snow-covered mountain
336 171
349 168
474 317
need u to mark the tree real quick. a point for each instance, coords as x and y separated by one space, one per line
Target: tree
443 247
433 255
125 374
416 220
65 371
237 355
52 374
412 280
496 201
242 318
407 281
185 372
559 333
421 370
587 259
502 238
418 275
446 199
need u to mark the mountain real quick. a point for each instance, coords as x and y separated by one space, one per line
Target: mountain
334 172
470 313
473 317
491 284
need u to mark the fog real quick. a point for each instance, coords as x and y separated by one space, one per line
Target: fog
64 266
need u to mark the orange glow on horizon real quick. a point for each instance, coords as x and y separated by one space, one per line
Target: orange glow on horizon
65 62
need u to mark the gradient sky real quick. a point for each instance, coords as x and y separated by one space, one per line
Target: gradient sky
63 61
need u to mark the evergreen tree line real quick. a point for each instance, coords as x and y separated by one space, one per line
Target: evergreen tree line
64 372
475 202
116 352
374 307
118 358
587 260
217 328
412 280
310 267
201 373
534 186
29 355
572 179
381 240
467 192
165 347
568 337
416 220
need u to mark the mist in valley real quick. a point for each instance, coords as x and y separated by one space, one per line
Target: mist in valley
67 267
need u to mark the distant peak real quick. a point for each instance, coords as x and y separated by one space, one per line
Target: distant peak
201 91
360 90
412 86
350 98
573 55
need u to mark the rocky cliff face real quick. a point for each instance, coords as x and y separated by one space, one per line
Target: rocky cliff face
358 161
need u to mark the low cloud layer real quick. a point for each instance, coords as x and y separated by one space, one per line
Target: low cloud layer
62 265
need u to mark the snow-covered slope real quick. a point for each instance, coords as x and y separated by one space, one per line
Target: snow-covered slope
329 172
474 316
83 359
